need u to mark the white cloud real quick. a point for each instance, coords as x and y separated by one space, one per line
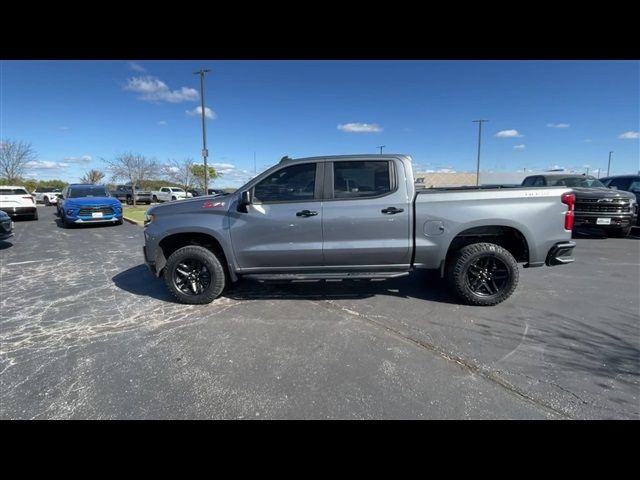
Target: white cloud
208 113
630 135
82 159
558 125
162 123
137 67
508 134
46 165
519 147
153 89
360 127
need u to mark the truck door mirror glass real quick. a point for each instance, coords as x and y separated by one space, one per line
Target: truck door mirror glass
245 199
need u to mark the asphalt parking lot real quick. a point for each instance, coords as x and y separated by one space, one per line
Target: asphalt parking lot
87 332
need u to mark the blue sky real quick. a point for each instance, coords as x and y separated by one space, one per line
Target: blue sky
542 114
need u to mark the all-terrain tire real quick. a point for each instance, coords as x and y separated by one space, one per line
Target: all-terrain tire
483 274
193 257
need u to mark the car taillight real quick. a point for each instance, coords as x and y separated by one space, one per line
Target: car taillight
28 198
568 199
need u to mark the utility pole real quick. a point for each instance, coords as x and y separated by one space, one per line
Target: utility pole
609 165
255 171
479 138
381 147
205 152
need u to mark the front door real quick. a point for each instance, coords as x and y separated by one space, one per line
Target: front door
366 217
283 225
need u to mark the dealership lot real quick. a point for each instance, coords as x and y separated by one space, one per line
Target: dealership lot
87 332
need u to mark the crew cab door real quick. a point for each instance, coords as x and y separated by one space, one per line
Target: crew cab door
282 228
366 217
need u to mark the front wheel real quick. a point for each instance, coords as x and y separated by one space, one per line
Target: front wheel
620 232
129 201
483 274
155 199
173 198
194 275
47 203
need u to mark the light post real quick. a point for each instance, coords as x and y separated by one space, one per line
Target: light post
205 152
609 165
381 147
479 138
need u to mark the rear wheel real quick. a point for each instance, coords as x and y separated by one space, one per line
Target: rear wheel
155 199
483 274
47 203
620 232
194 275
129 201
173 198
35 215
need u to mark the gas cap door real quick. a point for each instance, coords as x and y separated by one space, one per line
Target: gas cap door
433 228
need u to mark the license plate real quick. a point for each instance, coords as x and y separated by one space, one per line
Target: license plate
99 214
603 221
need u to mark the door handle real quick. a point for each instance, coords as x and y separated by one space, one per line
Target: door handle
306 213
392 210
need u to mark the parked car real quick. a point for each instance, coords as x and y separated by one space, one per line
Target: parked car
357 217
87 203
199 192
6 226
628 183
596 205
127 194
17 202
167 194
46 195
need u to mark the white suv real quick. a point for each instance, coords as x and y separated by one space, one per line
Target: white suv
17 202
46 195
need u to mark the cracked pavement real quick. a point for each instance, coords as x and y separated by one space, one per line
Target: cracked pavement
87 332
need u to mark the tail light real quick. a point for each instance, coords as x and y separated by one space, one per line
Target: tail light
28 198
568 199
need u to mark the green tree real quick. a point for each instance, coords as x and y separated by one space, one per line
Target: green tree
198 173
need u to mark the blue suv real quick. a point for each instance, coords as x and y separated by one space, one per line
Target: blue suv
85 203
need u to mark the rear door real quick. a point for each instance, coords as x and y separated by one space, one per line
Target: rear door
365 214
282 228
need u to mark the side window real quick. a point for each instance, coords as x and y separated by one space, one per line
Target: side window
163 189
528 182
361 179
621 183
291 184
635 186
539 182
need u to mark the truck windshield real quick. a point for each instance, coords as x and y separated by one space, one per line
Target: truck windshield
587 182
80 192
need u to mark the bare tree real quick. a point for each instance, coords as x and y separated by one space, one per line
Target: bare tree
133 168
92 176
14 156
181 173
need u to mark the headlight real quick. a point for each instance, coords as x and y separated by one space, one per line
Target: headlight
148 218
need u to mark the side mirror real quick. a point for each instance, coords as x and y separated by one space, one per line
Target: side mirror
245 199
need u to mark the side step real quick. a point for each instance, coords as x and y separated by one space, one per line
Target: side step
311 277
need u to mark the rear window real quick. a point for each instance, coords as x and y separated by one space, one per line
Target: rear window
13 191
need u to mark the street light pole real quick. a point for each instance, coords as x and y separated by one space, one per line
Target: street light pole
609 165
479 139
205 152
381 147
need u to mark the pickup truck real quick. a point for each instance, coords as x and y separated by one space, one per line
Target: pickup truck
357 217
126 193
614 211
167 194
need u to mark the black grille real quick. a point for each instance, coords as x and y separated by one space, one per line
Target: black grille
87 211
595 206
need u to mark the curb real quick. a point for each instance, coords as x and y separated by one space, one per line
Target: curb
130 220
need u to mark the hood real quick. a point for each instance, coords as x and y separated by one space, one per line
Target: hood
81 201
582 192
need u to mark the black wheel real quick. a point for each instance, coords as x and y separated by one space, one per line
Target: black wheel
47 203
194 275
119 222
155 199
619 232
173 198
129 201
483 274
35 215
65 223
148 203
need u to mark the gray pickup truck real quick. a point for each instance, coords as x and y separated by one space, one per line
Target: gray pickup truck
126 193
357 217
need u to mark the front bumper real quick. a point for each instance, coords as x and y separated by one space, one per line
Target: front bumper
598 220
560 254
112 219
15 212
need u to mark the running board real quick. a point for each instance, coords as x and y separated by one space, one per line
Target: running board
292 277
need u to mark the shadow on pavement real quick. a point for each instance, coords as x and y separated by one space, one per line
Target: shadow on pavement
5 244
422 285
